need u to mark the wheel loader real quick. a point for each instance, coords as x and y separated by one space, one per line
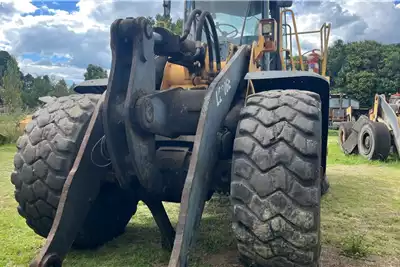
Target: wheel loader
376 135
180 118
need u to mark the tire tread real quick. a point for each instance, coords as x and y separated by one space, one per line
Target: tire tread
275 188
45 154
43 157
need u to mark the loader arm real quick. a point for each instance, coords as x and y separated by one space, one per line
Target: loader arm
215 108
389 117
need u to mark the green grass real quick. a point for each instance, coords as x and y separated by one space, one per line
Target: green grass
336 156
355 246
364 201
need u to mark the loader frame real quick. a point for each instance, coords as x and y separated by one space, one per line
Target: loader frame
133 113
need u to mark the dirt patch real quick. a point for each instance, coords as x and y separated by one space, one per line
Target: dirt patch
330 257
228 258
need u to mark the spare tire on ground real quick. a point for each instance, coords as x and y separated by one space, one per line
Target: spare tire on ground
374 141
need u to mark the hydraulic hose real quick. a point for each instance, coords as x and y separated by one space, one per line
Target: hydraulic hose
209 43
189 23
205 15
199 30
205 21
216 41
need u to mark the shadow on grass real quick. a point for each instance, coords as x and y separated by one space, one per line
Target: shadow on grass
140 245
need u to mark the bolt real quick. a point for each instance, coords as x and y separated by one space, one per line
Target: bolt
148 30
148 111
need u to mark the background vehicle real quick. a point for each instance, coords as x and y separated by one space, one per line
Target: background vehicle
374 137
342 109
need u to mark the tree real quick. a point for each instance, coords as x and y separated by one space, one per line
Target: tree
60 89
41 86
363 69
336 59
166 22
27 89
4 58
95 72
10 92
71 88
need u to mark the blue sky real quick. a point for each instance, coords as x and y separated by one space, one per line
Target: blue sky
68 6
60 38
44 8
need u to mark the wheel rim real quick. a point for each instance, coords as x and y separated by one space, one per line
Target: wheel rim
366 142
342 136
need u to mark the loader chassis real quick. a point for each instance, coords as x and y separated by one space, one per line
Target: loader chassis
175 124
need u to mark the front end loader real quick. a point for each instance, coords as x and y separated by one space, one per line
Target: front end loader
376 135
180 118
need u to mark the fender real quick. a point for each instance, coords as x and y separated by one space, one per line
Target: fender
300 80
96 86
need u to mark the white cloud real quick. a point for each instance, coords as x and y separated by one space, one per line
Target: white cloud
68 72
82 36
21 6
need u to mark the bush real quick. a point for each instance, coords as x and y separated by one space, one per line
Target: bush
355 246
9 127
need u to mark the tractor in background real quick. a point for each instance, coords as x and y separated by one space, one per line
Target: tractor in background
216 109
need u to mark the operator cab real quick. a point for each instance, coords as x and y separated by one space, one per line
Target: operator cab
233 17
237 22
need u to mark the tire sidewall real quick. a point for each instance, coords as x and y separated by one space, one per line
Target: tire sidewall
366 132
344 131
68 117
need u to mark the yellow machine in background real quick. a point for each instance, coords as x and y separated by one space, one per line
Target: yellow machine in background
22 124
352 114
375 135
44 100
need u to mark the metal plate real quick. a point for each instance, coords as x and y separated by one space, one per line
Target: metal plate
215 108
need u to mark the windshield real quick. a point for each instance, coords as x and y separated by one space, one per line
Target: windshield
229 17
230 27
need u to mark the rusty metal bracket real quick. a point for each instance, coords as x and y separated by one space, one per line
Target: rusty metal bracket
132 150
216 105
79 192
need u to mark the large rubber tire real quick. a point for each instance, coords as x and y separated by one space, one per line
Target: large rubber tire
344 133
379 141
325 186
44 158
275 185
